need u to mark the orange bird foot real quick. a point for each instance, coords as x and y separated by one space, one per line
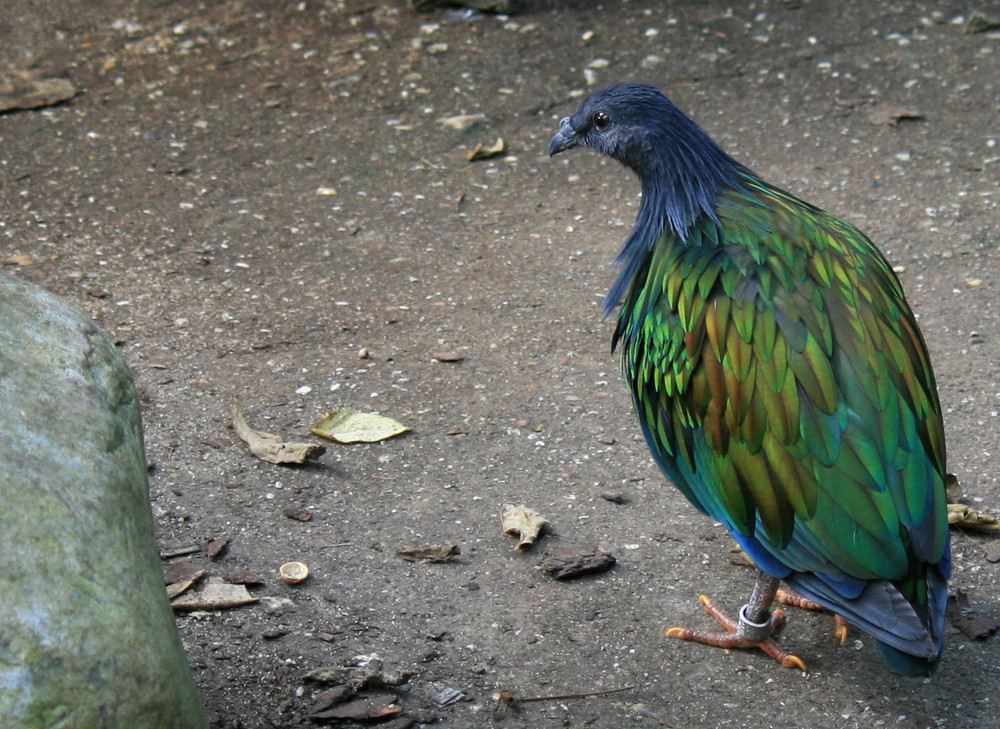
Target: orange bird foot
794 599
733 638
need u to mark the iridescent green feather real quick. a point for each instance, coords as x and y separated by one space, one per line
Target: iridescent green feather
784 385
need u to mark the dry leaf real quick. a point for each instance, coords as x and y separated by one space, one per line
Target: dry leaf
890 114
357 678
979 23
483 152
350 426
217 595
272 448
462 122
522 521
961 515
973 620
952 488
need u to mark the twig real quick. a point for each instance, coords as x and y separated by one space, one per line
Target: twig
509 696
243 56
180 552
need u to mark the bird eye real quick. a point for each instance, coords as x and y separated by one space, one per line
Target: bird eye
602 121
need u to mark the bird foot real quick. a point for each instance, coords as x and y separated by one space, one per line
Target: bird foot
742 634
788 597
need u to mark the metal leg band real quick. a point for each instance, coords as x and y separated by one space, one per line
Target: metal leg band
754 632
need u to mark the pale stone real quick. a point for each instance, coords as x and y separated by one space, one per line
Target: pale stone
87 637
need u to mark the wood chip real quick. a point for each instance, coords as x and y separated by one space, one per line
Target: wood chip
216 547
216 595
573 561
19 260
245 577
183 584
433 553
180 551
358 678
23 93
180 571
331 697
296 513
401 722
367 708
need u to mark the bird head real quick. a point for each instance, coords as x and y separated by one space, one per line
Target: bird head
681 168
629 122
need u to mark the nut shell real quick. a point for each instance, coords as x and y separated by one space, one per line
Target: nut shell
293 572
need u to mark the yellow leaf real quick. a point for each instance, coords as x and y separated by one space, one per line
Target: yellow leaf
350 426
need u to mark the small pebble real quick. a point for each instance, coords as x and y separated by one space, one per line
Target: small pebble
275 633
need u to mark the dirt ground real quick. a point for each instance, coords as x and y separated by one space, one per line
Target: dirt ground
251 196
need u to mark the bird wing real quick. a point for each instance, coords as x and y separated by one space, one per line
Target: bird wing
783 385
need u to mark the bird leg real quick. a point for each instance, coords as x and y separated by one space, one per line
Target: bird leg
754 628
788 597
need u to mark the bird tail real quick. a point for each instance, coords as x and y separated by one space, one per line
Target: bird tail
905 617
906 664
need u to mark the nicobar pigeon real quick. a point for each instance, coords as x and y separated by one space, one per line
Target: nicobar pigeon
781 382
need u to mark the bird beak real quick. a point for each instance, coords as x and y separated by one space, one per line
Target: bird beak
564 139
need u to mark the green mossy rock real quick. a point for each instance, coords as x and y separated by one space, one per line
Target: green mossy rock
87 637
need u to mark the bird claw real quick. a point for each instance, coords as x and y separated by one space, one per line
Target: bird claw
732 638
841 628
